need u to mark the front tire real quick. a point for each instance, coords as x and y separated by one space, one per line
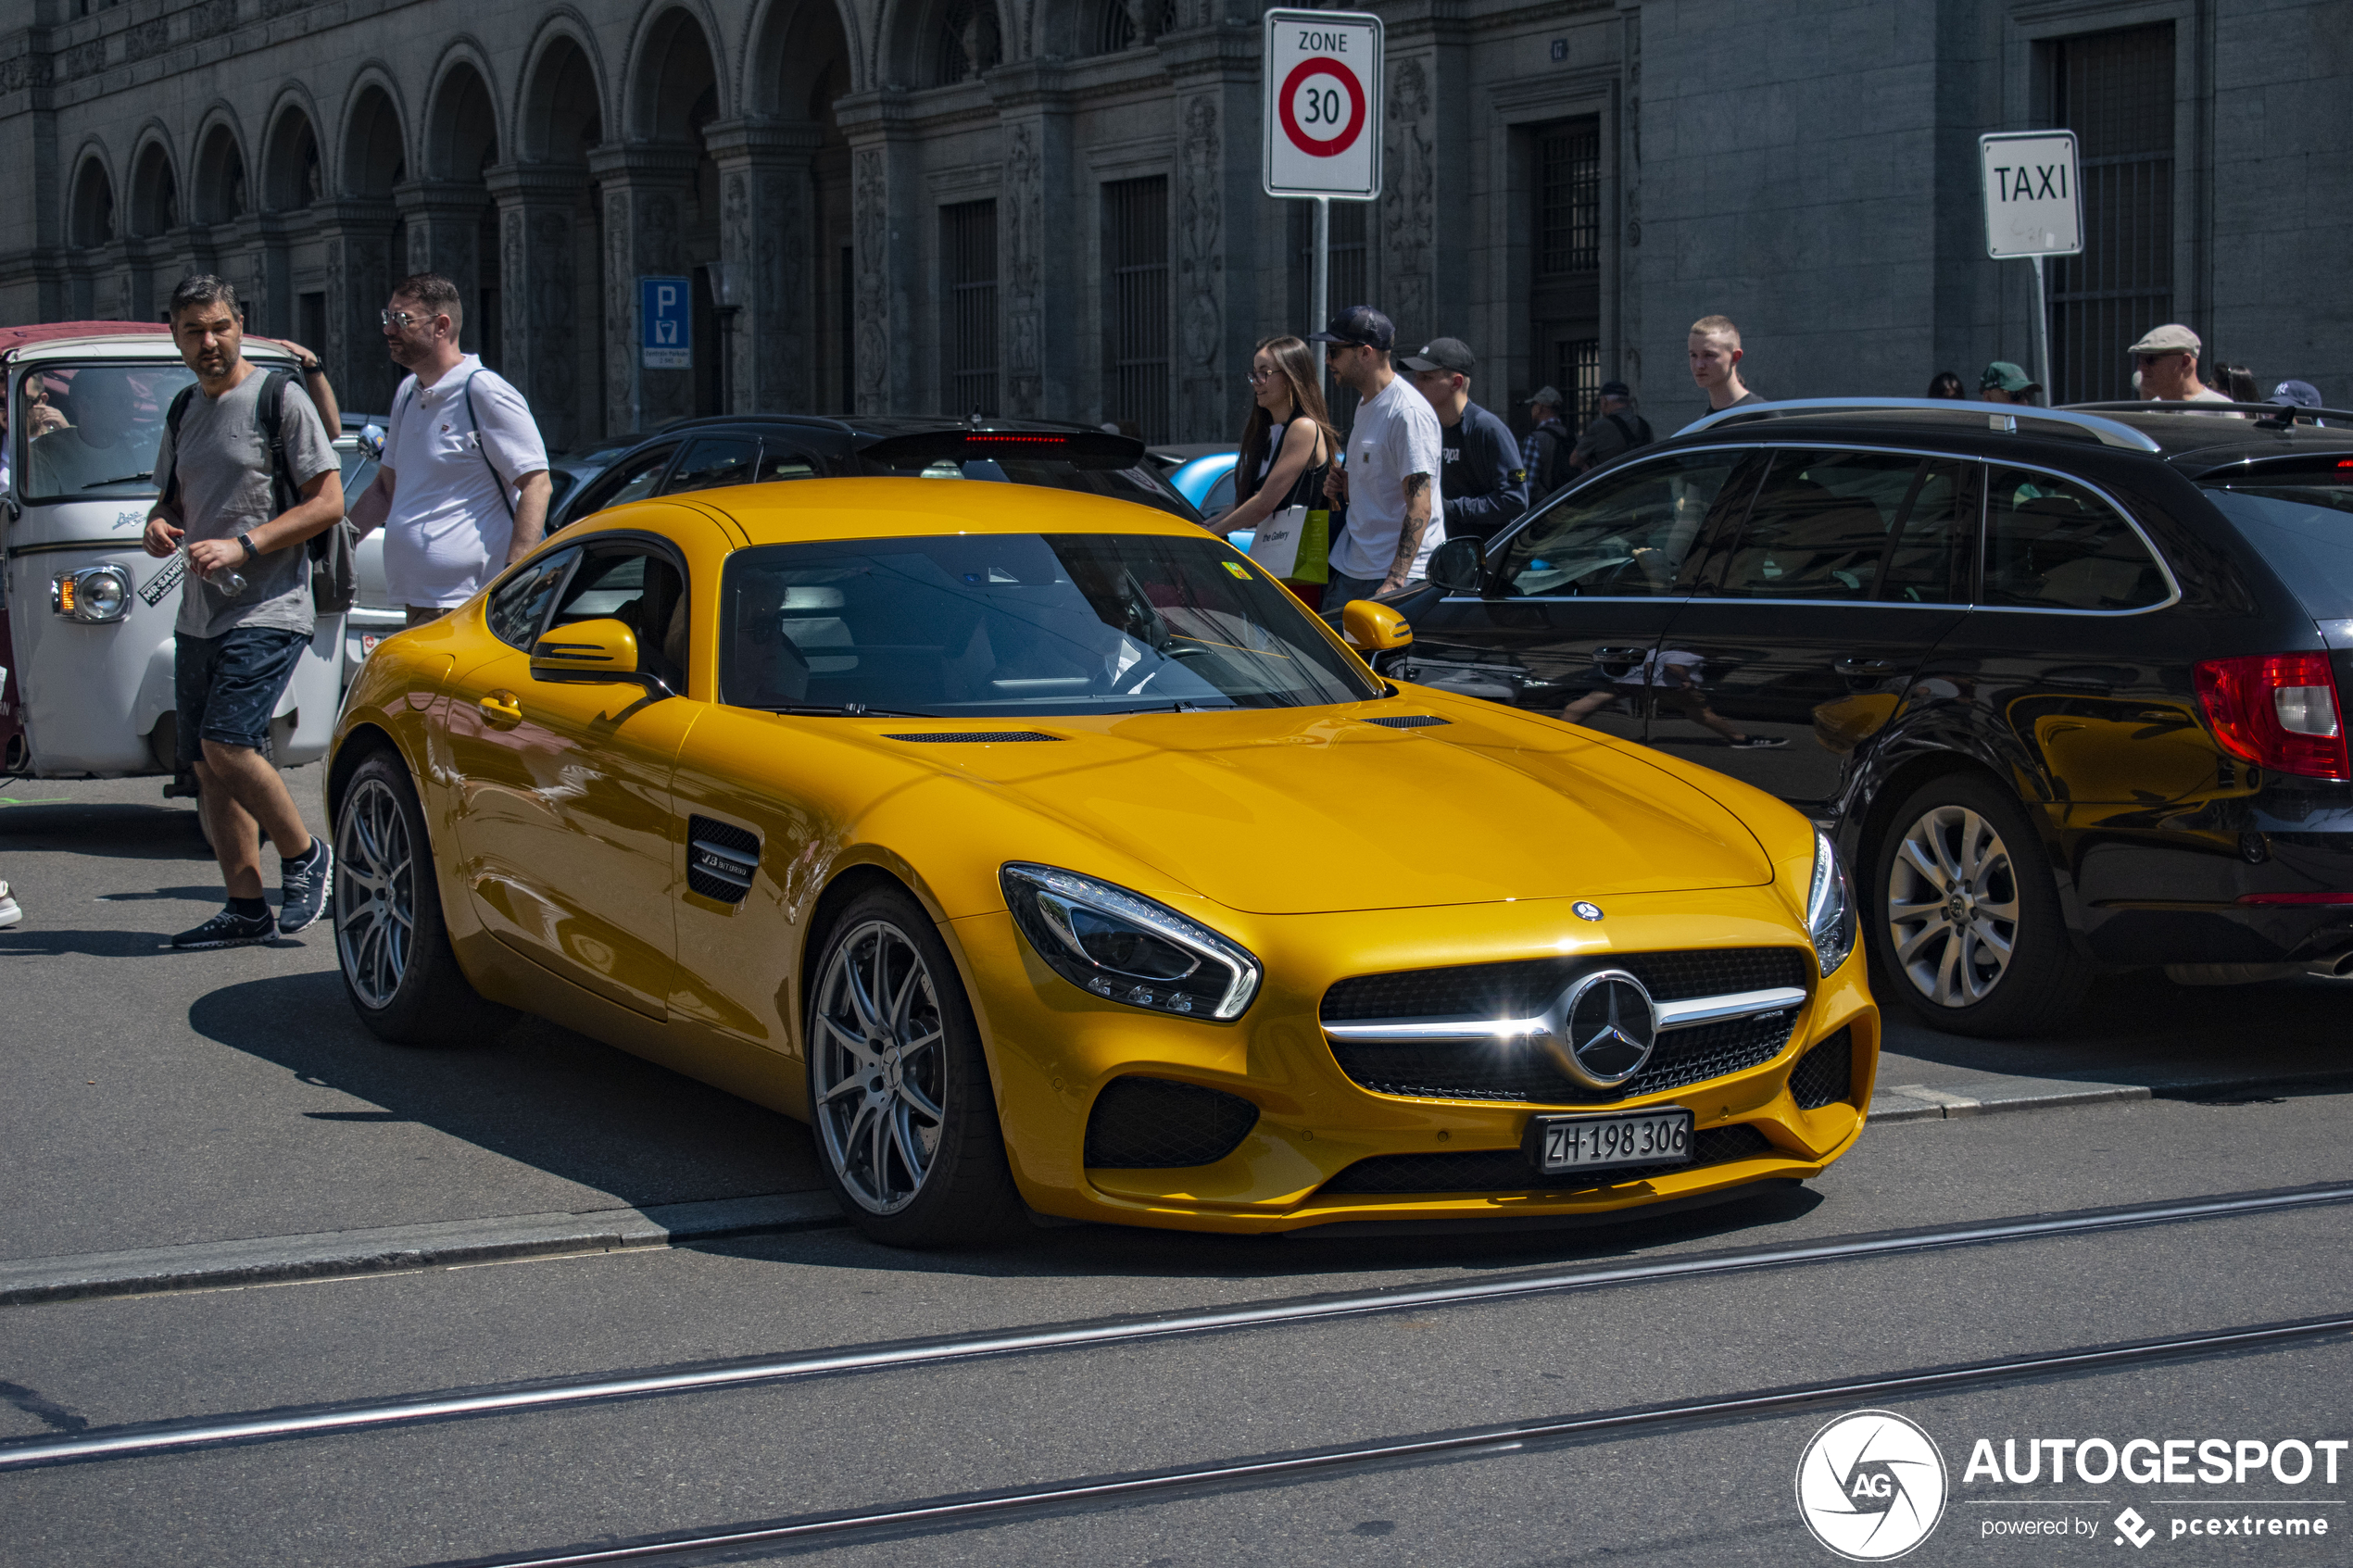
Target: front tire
899 1104
1966 921
398 968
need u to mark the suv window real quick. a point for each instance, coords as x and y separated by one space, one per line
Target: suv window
1851 525
633 481
2301 523
1626 535
520 604
714 461
644 590
2052 544
782 460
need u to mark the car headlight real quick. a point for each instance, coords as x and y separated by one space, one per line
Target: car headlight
94 595
1830 909
1124 947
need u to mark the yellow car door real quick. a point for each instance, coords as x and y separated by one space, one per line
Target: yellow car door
562 789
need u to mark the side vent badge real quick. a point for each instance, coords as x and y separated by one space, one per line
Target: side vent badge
722 859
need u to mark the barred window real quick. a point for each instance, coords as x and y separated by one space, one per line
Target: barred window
1569 197
968 307
1136 325
2115 91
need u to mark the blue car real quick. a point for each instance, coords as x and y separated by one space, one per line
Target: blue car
1204 475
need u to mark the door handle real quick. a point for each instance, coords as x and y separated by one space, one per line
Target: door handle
1863 666
502 711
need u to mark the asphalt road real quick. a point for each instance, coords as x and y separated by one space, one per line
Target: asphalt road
159 1100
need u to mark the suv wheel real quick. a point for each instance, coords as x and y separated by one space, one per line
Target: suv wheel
898 1092
1966 920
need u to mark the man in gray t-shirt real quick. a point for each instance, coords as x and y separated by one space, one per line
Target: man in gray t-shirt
245 606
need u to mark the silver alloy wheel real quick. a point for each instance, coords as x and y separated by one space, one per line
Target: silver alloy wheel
880 1067
1952 907
375 892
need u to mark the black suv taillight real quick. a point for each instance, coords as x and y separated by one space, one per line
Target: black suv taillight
2277 710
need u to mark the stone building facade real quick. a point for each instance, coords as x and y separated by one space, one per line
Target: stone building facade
1052 207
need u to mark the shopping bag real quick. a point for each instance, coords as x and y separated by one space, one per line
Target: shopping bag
1314 563
1276 549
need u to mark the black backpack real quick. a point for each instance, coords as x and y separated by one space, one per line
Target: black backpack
334 568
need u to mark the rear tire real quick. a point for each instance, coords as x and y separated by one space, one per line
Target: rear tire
898 1095
1966 924
391 945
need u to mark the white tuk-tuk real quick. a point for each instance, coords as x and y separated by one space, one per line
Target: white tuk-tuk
85 613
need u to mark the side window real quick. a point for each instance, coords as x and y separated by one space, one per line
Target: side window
1850 525
517 606
715 460
1928 561
642 589
780 460
1627 535
1220 499
2052 544
632 479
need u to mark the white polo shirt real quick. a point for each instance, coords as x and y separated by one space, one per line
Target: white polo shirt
452 516
1396 433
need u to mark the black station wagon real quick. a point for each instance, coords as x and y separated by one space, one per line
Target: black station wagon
2064 683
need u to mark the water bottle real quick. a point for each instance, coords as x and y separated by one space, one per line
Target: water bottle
228 579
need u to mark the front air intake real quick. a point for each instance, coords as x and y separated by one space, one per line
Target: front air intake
1824 1075
1146 1124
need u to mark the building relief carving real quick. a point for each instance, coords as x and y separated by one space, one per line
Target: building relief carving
1023 217
1409 207
1200 264
870 226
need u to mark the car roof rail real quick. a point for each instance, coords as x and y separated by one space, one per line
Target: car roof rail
2000 416
2282 414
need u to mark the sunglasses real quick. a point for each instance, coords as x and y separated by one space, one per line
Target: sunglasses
403 320
2145 360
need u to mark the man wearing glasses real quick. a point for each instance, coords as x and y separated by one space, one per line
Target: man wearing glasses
463 488
2167 359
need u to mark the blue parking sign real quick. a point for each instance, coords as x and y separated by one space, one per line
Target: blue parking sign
666 323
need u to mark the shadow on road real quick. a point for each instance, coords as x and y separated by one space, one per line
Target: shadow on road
110 829
535 1093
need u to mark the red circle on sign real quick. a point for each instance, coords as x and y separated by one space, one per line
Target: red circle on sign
1322 65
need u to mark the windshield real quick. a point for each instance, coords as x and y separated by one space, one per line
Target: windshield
90 431
1139 485
1021 624
2303 526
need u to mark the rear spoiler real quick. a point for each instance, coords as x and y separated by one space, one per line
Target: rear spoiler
1080 449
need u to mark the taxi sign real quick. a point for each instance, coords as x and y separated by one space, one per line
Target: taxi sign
1323 104
2033 196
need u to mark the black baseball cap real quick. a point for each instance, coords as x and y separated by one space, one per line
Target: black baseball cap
1361 325
1442 353
1617 389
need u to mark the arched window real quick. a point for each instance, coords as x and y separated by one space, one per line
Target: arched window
93 218
968 43
221 179
155 193
1115 25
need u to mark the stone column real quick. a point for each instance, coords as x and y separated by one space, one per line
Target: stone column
767 239
1037 219
1408 209
883 185
545 351
361 270
643 188
1214 207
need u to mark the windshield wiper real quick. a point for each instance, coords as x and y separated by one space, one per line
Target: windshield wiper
126 479
843 710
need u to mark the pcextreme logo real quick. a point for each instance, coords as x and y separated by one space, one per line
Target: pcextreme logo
1870 1485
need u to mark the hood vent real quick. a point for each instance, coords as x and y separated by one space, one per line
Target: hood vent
1409 721
974 736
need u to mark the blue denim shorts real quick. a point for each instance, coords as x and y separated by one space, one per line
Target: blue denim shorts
225 688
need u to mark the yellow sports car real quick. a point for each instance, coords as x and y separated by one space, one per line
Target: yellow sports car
1036 849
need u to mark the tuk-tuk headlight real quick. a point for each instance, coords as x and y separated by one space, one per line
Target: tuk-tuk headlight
94 596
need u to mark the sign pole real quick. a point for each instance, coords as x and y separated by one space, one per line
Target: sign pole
1319 309
2043 335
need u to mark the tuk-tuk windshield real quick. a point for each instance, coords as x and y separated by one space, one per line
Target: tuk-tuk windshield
90 431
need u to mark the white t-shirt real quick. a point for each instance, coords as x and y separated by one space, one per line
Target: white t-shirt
1396 433
451 516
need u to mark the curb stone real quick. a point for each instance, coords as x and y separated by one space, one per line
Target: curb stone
1986 1097
264 1260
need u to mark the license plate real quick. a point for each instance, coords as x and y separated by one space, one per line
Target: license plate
1594 1143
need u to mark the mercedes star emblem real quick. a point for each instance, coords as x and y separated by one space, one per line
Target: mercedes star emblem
1605 1025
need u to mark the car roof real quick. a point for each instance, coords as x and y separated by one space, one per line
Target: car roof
107 340
890 508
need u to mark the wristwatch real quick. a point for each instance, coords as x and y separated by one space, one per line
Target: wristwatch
310 369
246 540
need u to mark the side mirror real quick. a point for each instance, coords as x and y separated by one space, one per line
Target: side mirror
371 440
1459 566
1374 628
587 653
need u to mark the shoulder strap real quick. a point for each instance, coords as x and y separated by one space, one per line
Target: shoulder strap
1624 429
466 389
171 422
268 414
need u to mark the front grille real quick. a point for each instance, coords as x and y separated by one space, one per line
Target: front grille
1512 1069
974 737
1410 721
1145 1123
1825 1073
1507 1170
722 859
1524 989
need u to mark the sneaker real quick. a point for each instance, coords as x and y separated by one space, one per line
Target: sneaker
228 929
306 882
10 910
1759 743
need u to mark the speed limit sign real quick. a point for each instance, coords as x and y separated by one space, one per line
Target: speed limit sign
1323 104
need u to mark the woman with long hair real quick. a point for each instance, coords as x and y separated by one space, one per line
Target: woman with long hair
1288 440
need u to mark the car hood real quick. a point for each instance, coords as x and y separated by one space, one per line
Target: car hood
1304 811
